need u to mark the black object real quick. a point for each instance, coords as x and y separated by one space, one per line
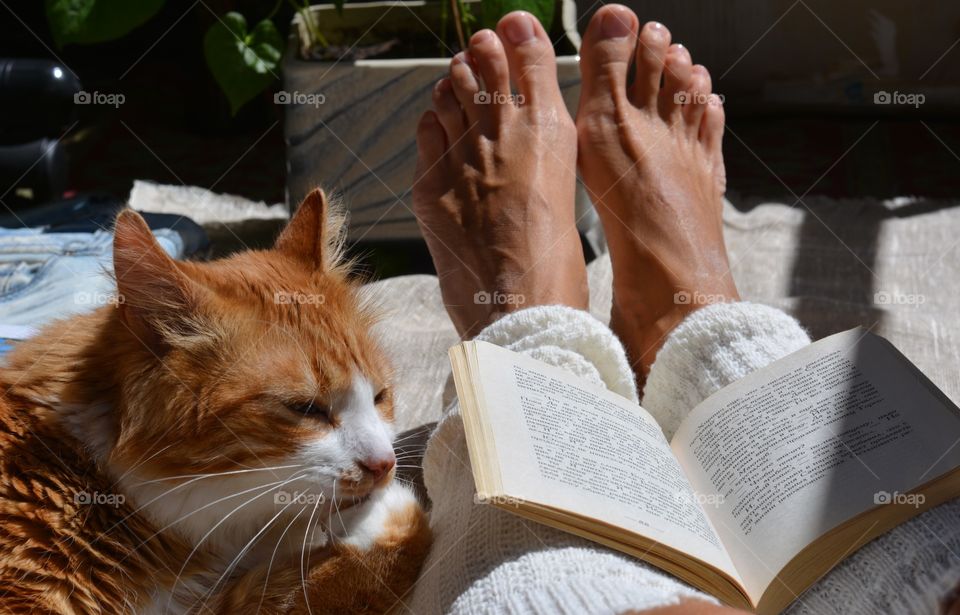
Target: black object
36 99
39 166
87 213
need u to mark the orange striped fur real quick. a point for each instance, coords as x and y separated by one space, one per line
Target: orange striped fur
219 441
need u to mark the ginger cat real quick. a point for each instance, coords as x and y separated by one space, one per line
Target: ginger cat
218 442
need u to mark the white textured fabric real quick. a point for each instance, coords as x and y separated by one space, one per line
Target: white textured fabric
716 346
488 561
567 338
200 205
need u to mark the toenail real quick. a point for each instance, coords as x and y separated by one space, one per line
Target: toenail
519 29
480 37
615 25
656 31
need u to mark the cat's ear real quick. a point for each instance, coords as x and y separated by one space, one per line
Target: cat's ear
306 237
156 298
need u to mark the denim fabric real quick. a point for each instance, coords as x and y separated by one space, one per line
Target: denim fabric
87 213
45 276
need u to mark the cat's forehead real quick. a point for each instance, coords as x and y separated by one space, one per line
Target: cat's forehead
254 272
311 321
266 282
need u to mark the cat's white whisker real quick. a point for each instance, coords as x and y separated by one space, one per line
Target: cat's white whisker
214 528
413 456
215 474
168 492
266 578
138 464
410 455
236 560
409 436
303 551
266 486
336 506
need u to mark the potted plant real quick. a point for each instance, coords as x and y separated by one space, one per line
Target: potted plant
350 117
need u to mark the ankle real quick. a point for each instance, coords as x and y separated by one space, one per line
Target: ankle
643 334
644 322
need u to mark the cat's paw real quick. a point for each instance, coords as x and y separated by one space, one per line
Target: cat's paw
391 515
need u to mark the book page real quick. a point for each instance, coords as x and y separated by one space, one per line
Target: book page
566 444
797 448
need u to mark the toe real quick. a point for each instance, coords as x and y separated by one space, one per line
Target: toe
431 177
533 64
605 57
651 53
676 83
448 111
711 127
431 145
711 136
466 87
696 101
486 50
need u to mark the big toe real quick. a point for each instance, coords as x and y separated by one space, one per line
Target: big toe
533 64
605 58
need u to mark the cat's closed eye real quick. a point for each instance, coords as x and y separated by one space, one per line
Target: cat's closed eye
381 397
313 409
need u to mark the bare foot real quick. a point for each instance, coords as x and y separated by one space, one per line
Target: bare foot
494 188
650 157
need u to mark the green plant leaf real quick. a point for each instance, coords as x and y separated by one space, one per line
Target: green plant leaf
243 63
96 21
492 10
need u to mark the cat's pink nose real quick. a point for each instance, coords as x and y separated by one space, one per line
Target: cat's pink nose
379 466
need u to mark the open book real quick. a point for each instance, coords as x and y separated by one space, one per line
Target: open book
766 486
